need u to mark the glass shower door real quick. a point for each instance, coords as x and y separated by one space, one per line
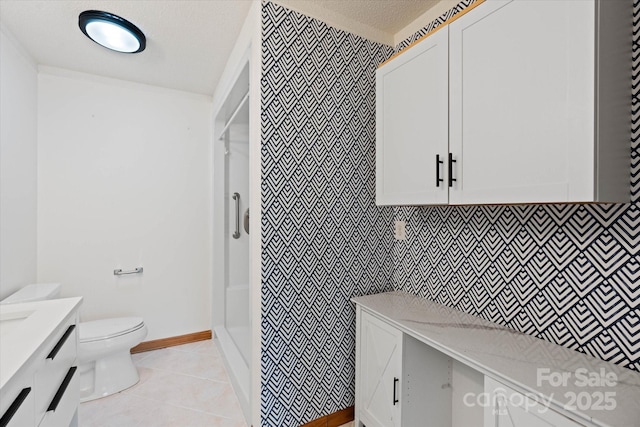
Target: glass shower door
237 317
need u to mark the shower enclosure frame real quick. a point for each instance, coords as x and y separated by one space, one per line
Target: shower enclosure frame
245 380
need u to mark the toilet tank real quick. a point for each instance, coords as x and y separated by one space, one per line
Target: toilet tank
35 292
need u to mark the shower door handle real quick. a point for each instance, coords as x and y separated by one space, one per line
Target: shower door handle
236 197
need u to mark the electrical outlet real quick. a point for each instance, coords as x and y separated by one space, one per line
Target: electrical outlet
400 231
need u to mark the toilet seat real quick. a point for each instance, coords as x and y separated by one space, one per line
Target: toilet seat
97 330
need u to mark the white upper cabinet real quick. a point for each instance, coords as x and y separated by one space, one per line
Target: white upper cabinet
538 109
524 105
412 124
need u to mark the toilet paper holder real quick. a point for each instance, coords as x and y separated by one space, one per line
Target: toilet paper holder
120 272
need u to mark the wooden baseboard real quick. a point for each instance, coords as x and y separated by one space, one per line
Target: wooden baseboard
333 420
171 341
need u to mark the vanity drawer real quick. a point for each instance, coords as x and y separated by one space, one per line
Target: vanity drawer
16 407
59 355
65 402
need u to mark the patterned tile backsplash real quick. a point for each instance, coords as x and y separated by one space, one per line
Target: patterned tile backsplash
569 274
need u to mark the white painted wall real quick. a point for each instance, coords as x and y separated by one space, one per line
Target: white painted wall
18 165
124 180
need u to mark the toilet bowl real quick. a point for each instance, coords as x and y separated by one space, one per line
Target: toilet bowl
104 358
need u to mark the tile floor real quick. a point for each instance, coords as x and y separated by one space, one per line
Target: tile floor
181 386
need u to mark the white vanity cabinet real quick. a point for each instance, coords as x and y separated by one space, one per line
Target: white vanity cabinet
419 363
381 366
537 109
17 403
509 408
402 382
57 391
38 363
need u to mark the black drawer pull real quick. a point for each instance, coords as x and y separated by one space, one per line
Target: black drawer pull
395 399
63 387
6 417
451 178
58 346
438 163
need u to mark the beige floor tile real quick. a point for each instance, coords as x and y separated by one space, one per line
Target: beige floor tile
189 392
139 356
205 347
133 411
183 386
145 374
172 416
117 410
201 365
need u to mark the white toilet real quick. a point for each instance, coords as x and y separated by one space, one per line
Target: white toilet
104 359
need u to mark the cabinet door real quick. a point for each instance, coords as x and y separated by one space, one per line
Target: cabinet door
508 408
412 124
522 102
379 373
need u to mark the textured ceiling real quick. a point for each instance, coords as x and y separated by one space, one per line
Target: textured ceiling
188 41
377 20
387 16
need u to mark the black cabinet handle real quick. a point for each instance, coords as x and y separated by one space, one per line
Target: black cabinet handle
451 178
6 417
438 163
58 346
63 387
395 399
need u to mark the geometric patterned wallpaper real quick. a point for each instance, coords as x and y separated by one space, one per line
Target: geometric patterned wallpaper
569 274
323 238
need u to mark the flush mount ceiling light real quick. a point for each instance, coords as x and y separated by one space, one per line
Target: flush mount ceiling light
112 31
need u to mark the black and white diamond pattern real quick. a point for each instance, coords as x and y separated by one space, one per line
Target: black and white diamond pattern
323 240
569 279
568 274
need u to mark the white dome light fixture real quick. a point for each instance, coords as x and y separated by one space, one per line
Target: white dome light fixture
112 31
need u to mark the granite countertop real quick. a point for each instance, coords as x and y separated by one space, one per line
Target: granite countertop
25 327
552 373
